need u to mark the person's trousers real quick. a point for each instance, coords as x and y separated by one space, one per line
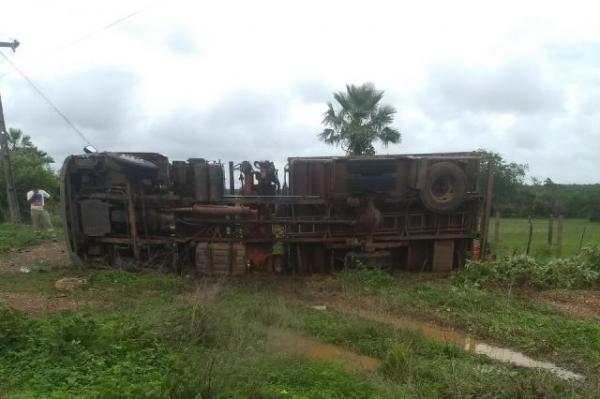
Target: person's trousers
40 219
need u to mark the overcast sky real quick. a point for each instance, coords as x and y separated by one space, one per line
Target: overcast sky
236 80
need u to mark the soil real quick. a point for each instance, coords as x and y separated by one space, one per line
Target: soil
583 304
49 253
287 341
441 334
36 304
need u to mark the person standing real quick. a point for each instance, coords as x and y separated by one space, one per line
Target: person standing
40 219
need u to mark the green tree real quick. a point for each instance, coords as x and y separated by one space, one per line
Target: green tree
358 120
31 166
508 179
595 205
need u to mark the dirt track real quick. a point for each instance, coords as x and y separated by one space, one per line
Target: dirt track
41 256
48 253
579 303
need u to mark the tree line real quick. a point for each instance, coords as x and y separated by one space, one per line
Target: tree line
514 198
31 166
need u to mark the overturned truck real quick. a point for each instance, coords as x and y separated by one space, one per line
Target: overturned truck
397 212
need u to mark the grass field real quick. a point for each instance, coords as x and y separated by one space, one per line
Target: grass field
17 236
130 335
514 234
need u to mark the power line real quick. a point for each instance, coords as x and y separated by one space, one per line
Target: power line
105 27
94 32
41 94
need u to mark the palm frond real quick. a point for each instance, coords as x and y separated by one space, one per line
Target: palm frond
359 120
383 116
329 136
330 118
389 135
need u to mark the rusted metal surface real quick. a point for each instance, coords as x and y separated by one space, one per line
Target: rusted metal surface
220 259
443 252
371 207
132 222
202 209
487 213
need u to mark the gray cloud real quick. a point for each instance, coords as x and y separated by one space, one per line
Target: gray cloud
574 52
244 124
312 90
97 99
515 87
100 101
252 124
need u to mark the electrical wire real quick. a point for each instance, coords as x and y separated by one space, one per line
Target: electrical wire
93 33
107 26
50 103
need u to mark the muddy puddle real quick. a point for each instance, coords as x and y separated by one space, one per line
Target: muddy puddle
291 343
467 343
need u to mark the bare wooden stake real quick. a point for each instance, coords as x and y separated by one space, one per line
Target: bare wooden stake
559 236
497 234
485 222
550 228
530 236
581 238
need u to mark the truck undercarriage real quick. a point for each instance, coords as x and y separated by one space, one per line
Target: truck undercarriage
400 212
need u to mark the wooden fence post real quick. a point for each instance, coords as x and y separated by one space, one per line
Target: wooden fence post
559 236
582 236
550 228
530 236
497 234
485 221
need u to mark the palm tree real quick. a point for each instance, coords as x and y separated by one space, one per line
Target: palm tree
359 121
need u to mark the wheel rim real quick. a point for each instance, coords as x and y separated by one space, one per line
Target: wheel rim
443 189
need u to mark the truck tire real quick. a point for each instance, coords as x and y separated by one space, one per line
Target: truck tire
445 187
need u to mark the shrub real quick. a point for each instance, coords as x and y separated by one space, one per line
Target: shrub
74 355
579 271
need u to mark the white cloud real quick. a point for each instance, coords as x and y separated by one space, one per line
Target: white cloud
236 79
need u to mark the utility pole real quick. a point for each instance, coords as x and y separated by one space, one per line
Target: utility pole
11 193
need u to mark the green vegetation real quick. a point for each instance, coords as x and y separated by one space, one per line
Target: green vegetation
359 120
30 166
77 354
514 234
504 318
509 178
18 236
579 271
514 198
160 335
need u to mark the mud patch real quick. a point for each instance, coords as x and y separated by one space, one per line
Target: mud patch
46 254
470 344
37 304
288 342
576 303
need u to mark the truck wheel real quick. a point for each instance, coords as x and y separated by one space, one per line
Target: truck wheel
445 187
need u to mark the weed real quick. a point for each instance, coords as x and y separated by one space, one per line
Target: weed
72 355
18 236
367 279
579 271
396 361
